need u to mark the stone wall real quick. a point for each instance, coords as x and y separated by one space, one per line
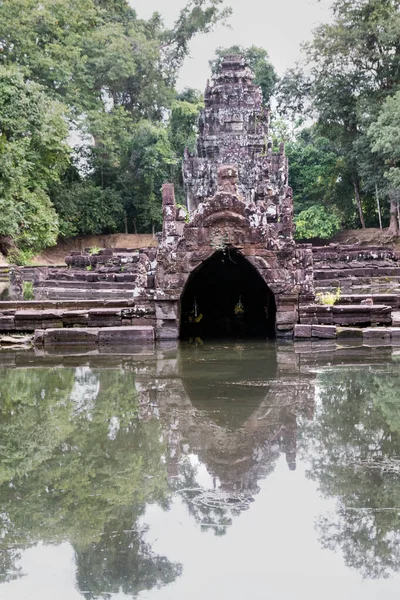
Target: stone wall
226 221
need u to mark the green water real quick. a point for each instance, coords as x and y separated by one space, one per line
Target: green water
213 471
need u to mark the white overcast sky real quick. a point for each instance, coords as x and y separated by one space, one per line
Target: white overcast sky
279 26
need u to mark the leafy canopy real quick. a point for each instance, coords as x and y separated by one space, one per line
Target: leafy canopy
33 154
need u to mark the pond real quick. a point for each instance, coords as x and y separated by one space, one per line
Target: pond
218 471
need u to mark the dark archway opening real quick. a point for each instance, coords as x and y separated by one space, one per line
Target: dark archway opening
227 297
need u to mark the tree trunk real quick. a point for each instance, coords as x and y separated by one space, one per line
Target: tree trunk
394 224
358 200
379 207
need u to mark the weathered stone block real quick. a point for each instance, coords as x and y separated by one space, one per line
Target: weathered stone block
302 331
395 333
73 336
376 333
395 318
344 333
75 317
38 338
104 317
167 333
7 323
285 327
168 194
28 324
52 324
324 331
167 310
126 335
283 318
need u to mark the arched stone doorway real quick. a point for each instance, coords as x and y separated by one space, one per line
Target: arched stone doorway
227 297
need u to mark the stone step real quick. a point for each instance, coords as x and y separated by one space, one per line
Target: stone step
100 336
62 294
86 285
319 314
392 300
367 271
368 335
66 304
29 320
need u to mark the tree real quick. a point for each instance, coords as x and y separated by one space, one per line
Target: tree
258 60
357 433
183 121
76 457
385 136
316 222
114 72
353 66
33 154
316 169
149 162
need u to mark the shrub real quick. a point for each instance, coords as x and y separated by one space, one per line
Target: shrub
27 290
316 222
329 298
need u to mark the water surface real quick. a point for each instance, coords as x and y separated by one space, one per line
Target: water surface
205 471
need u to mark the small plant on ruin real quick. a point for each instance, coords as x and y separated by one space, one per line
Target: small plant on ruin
89 268
329 298
27 290
95 250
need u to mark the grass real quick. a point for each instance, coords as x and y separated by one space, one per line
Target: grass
27 290
329 298
95 250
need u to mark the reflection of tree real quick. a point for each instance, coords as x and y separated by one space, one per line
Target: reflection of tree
76 463
217 518
122 561
357 460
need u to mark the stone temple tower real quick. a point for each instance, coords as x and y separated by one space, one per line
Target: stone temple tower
234 130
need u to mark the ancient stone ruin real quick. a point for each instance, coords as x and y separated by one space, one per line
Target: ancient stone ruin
227 268
234 130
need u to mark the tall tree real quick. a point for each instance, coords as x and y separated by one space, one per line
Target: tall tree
33 153
353 65
385 136
113 71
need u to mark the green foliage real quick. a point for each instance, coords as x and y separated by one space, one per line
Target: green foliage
329 298
98 65
33 153
385 136
352 67
85 208
357 432
316 169
28 292
95 250
77 460
258 60
149 163
316 222
183 121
